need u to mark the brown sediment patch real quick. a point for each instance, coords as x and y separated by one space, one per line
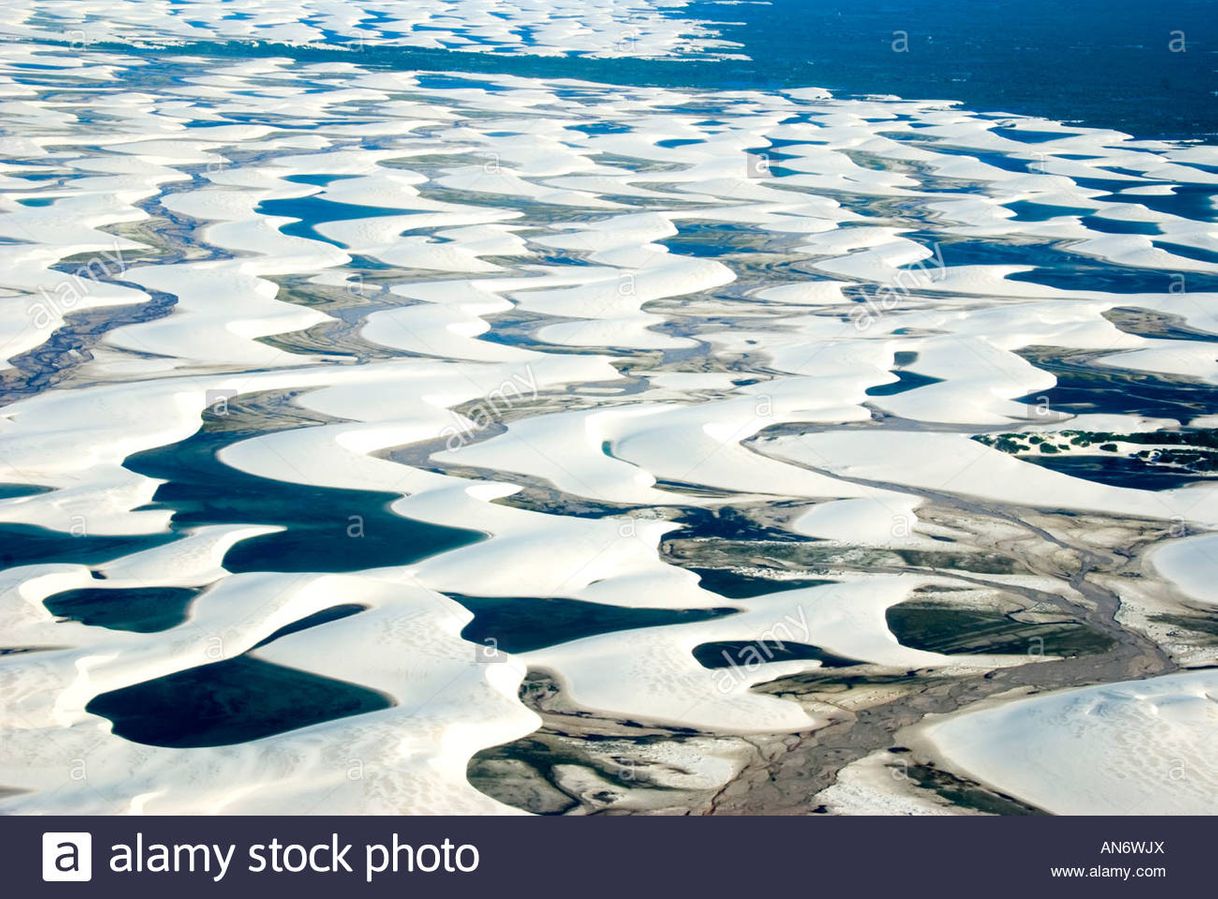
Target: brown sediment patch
1065 562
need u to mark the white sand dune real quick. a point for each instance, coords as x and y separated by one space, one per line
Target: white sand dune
1192 565
953 463
651 674
1134 748
578 320
610 28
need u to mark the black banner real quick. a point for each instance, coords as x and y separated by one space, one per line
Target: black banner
606 856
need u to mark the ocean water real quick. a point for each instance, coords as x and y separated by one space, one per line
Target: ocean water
1148 69
478 398
1102 64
